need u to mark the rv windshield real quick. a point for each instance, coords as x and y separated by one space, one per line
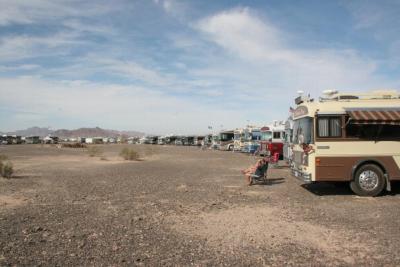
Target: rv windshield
303 131
225 136
265 136
255 136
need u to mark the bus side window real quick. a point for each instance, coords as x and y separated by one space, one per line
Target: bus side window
373 131
329 126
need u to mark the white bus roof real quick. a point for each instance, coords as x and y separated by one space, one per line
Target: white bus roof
341 103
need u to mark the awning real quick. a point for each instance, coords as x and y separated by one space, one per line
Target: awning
389 116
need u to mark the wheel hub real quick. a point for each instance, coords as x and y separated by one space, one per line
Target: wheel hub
368 180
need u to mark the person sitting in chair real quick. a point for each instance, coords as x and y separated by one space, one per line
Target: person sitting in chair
258 169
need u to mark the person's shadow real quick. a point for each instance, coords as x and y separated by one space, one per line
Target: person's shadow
270 181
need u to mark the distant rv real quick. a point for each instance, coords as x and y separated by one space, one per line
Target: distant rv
252 139
272 139
246 139
147 140
225 140
351 138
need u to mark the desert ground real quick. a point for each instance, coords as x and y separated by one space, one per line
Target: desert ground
182 206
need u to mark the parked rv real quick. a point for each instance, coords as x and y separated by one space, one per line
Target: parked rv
188 140
170 139
146 140
225 140
238 139
215 141
207 141
198 140
32 140
352 138
272 138
3 140
161 140
179 141
252 139
50 140
15 139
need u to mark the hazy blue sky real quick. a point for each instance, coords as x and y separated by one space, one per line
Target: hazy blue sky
168 66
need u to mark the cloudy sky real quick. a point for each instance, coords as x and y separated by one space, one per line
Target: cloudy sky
164 66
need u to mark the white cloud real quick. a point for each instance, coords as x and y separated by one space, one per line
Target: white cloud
17 47
23 67
108 105
81 27
131 69
33 11
263 48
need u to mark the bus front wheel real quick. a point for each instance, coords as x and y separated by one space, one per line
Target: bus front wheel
368 181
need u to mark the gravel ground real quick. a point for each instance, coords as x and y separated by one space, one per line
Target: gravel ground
182 206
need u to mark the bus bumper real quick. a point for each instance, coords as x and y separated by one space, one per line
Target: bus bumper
302 176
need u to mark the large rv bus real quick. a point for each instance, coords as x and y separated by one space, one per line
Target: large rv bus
252 140
351 138
198 140
188 140
225 140
170 139
272 138
207 141
161 140
214 141
238 139
245 139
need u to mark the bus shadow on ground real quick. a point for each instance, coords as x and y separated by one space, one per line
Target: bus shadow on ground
328 189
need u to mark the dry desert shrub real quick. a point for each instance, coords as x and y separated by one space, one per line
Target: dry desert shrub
7 169
129 154
74 145
95 151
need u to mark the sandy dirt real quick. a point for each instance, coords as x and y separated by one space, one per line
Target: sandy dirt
182 206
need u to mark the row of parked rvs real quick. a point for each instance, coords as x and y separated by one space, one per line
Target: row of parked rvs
264 140
340 138
17 139
192 140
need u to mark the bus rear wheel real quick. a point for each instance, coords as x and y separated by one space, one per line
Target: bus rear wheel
368 181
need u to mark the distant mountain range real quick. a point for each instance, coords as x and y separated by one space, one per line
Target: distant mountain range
81 132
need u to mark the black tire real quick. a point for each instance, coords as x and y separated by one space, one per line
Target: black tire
368 180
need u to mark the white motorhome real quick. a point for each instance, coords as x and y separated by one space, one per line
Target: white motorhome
351 138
